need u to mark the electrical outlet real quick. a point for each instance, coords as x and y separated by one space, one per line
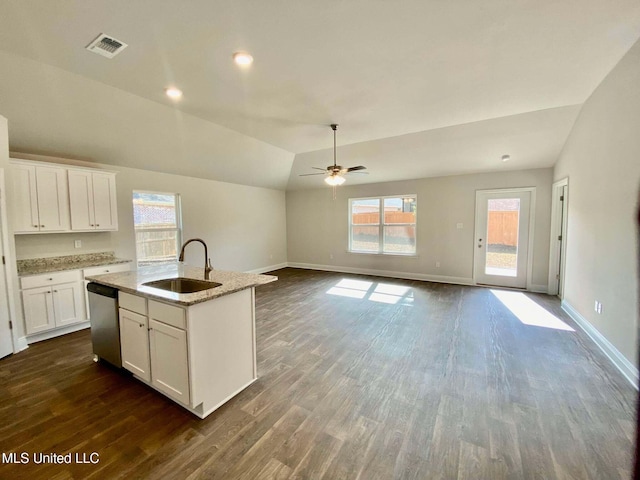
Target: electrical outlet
331 256
459 226
271 257
77 244
598 307
437 264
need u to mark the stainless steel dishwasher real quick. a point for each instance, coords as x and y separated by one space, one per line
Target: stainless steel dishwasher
105 327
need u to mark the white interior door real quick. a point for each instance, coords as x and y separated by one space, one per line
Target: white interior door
502 238
6 343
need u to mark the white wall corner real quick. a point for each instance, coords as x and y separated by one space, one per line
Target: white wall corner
619 361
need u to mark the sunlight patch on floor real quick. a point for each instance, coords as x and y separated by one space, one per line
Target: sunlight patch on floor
375 292
529 312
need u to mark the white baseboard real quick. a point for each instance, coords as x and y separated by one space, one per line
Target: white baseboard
21 344
619 361
268 269
385 273
38 337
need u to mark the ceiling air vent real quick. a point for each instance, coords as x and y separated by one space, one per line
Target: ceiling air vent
106 46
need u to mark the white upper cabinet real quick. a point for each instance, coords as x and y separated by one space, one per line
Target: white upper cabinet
104 201
55 198
92 198
41 202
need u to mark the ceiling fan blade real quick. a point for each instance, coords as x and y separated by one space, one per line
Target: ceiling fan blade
353 169
307 174
361 173
318 168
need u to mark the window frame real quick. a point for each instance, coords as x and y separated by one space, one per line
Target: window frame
381 225
177 228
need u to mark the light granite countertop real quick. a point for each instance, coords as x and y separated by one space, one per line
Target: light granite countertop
36 266
132 282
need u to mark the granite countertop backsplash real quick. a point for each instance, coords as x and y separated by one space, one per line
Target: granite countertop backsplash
132 282
36 266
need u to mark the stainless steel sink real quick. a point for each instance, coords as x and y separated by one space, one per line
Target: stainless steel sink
182 285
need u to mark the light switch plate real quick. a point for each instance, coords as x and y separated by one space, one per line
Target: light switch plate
77 243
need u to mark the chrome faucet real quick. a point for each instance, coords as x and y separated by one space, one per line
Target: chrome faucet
207 260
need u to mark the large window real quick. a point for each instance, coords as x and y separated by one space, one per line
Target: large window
158 227
383 225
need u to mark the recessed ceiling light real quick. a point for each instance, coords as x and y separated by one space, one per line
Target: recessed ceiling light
243 59
506 158
173 92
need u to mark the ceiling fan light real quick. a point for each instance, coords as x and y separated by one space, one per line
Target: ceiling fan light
243 59
334 180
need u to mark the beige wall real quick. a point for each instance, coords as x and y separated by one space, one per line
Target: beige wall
317 225
602 161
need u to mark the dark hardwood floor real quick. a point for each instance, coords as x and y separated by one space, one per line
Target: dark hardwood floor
360 377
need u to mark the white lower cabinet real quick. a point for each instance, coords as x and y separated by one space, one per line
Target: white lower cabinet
151 348
134 344
199 355
52 300
169 361
68 305
38 309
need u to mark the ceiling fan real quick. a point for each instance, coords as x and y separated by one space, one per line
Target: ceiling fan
335 173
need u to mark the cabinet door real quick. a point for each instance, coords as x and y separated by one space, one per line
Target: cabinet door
169 364
38 309
24 199
104 200
134 343
53 199
81 200
67 304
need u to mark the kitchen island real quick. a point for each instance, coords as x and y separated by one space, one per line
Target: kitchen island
199 348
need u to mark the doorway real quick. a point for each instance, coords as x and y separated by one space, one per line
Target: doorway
557 250
503 228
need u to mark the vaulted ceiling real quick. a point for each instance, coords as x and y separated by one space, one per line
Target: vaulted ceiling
419 88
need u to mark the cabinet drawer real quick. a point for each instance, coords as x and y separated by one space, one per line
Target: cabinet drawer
168 314
46 279
120 267
132 303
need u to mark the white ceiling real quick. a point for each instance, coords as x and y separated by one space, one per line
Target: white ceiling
378 68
